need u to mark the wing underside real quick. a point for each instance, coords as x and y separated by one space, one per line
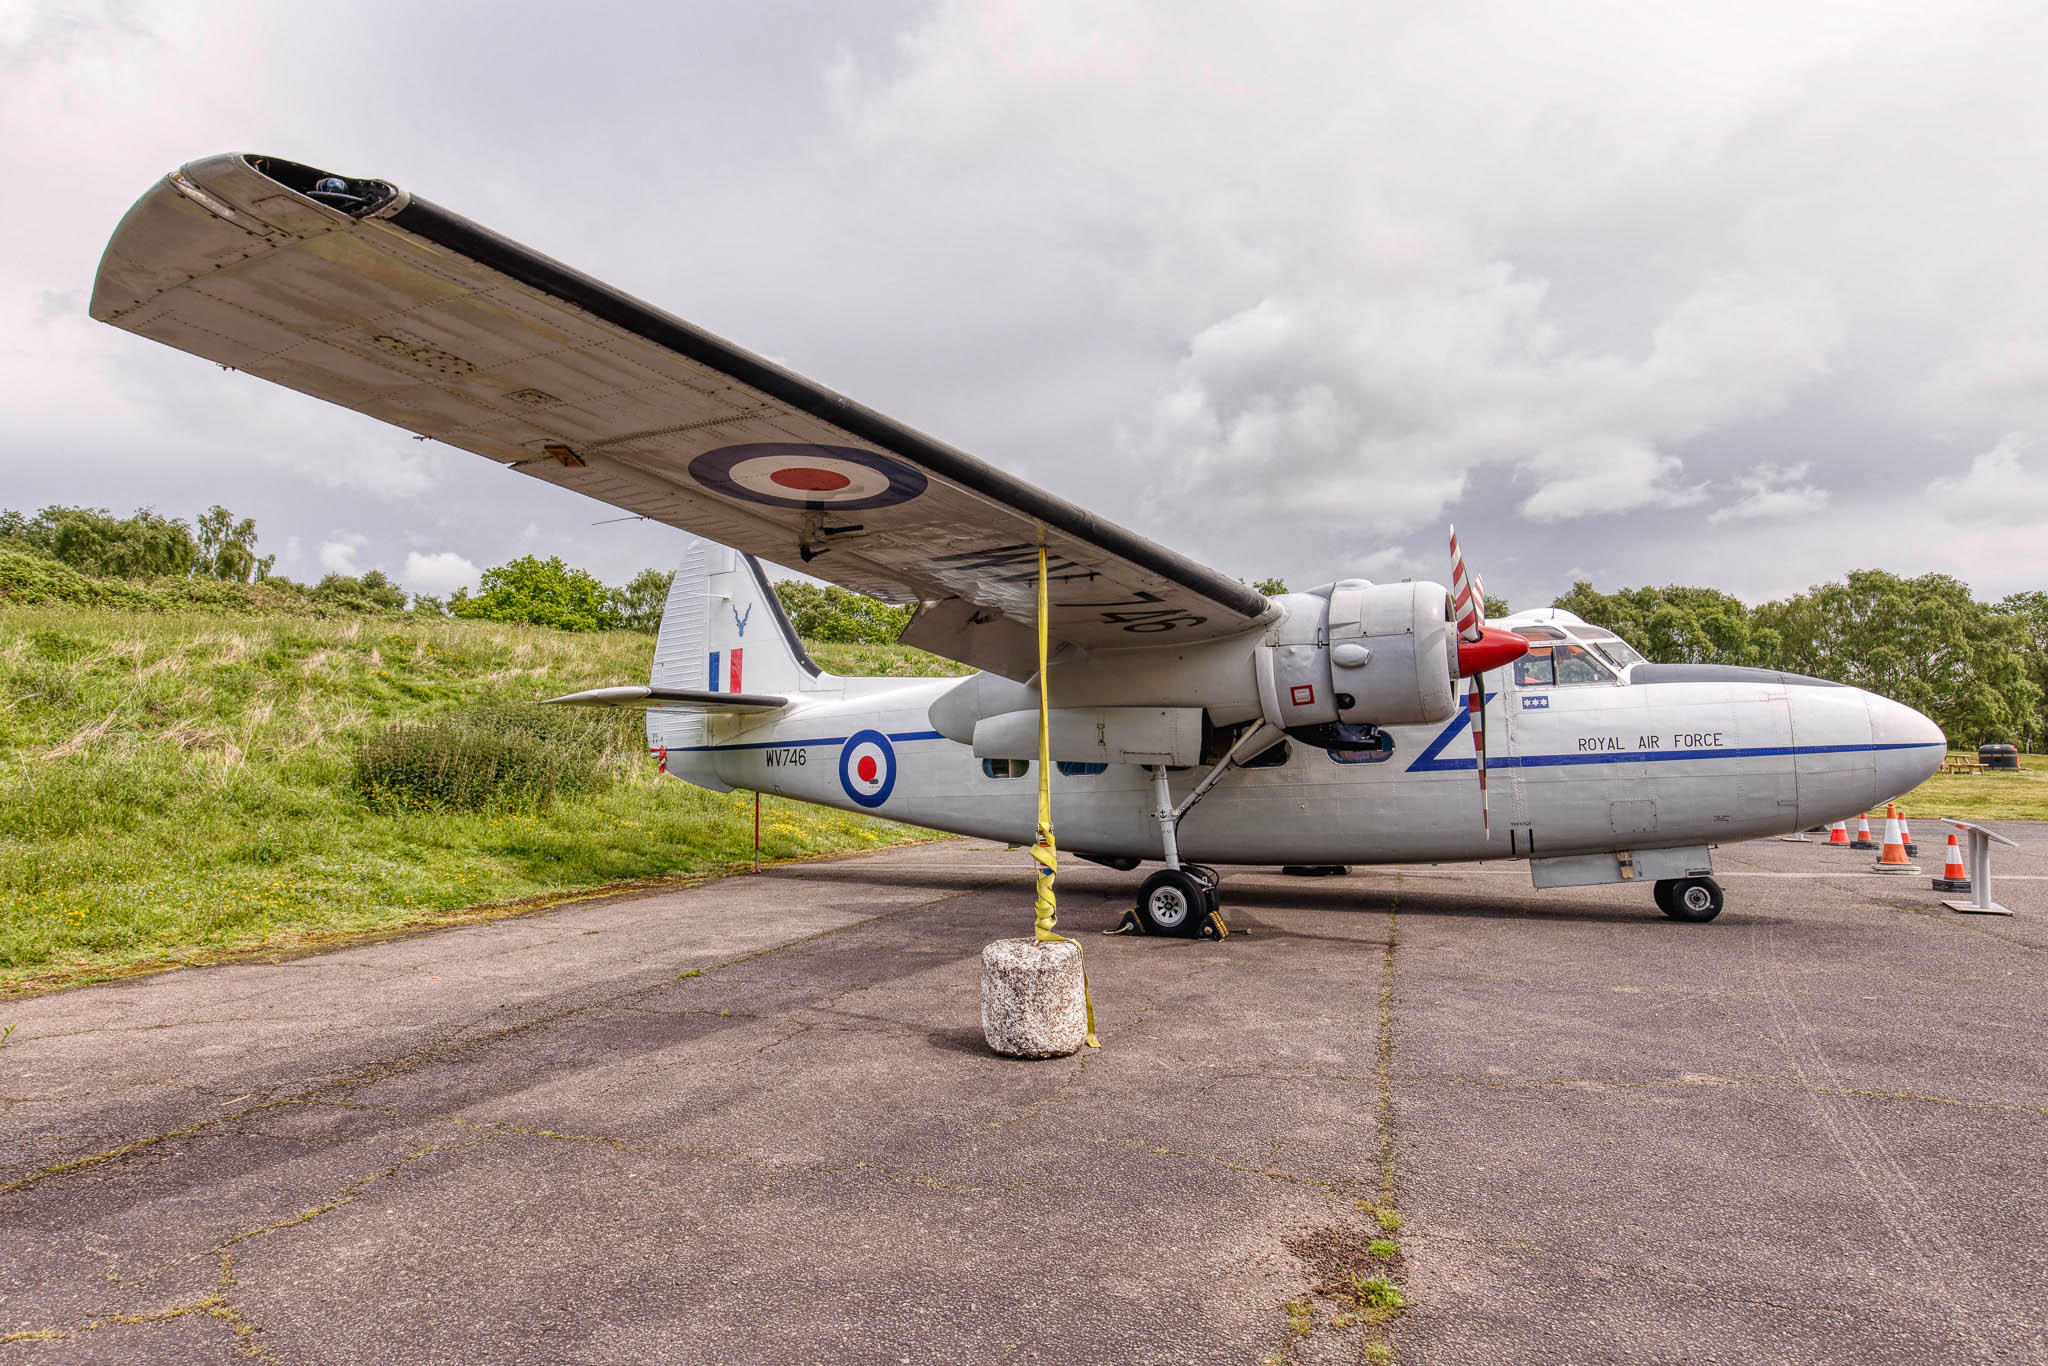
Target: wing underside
386 304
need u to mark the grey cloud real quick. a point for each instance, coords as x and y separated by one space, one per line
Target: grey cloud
1286 295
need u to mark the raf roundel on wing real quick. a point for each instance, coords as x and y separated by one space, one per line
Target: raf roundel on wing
807 478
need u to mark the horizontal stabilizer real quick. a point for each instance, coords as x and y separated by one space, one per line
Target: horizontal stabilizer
680 699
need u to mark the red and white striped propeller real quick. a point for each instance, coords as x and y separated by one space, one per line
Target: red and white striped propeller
1479 648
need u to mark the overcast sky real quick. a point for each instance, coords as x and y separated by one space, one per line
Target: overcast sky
1747 295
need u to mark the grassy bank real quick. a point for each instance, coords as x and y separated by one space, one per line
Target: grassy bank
2021 796
179 785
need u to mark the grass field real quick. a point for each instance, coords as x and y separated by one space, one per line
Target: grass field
176 786
2021 796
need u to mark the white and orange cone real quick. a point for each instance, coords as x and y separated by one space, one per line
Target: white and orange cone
1906 835
1863 839
1838 833
1955 877
1893 859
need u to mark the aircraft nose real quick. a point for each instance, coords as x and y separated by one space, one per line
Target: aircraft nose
1907 747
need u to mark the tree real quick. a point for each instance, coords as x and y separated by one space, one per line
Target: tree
541 593
427 605
2030 610
1676 625
227 548
1495 607
640 602
1924 641
95 542
372 592
827 613
1271 587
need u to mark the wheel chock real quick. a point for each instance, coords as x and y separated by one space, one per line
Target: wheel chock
1213 928
1130 924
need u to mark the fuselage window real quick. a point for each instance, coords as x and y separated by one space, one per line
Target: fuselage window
1006 768
1375 755
1080 770
1272 756
1534 670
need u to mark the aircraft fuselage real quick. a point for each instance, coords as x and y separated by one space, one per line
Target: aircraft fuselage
1572 769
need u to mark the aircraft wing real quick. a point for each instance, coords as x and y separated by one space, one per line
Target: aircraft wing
362 294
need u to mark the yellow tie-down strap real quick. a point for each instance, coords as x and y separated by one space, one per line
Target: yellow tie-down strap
1043 853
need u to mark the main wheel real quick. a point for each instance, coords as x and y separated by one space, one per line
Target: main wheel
1174 901
1661 890
1694 899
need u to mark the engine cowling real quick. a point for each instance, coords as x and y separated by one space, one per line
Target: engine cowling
1367 655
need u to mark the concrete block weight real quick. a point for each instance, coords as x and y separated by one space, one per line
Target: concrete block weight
1032 1001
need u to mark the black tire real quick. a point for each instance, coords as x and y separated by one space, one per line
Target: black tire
1662 892
1694 900
1174 901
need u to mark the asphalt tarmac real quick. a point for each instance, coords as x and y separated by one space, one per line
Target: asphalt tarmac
754 1121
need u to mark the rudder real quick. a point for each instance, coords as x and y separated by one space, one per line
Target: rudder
722 630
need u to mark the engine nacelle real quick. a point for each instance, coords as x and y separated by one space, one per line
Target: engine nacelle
1368 655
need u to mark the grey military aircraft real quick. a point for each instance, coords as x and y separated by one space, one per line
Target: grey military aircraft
1193 720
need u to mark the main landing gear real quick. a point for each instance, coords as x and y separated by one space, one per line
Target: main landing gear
1180 899
1694 899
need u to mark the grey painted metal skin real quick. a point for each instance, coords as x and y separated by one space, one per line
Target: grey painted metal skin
1576 774
384 303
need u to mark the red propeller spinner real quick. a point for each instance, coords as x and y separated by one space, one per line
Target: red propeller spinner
1494 648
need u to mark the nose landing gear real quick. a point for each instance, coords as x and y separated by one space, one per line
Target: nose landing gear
1692 899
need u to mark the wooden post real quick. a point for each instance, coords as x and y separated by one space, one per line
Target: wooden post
757 832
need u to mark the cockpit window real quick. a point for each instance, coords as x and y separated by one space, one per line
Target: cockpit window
1539 633
1575 665
1612 648
1534 670
1559 664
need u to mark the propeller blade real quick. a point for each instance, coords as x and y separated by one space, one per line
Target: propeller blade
1479 649
1475 705
1468 606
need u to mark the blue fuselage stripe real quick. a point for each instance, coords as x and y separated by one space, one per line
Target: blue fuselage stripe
1427 762
898 736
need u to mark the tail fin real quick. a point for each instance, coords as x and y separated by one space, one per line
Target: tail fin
722 630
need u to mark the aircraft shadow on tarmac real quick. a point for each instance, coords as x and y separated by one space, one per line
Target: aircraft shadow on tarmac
1345 895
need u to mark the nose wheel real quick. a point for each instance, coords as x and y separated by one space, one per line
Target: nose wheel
1693 899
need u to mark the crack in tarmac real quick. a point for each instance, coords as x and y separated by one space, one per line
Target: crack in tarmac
1375 1321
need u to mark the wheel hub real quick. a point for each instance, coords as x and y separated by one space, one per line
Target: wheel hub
1168 907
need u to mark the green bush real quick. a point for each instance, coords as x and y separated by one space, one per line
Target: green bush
507 757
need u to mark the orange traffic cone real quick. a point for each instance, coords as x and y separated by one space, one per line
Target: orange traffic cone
1863 839
1893 859
1954 877
1838 833
1906 836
